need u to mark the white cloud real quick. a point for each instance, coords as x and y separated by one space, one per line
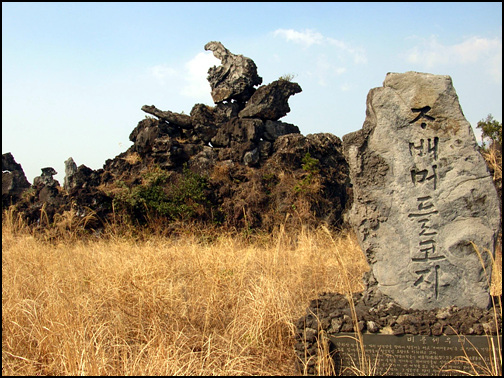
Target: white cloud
339 70
162 72
196 72
345 87
474 50
359 55
306 37
326 71
310 37
193 75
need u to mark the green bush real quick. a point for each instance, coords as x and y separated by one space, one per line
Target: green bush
161 194
491 131
287 77
312 167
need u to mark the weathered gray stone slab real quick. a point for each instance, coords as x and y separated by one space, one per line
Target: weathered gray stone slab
416 354
422 195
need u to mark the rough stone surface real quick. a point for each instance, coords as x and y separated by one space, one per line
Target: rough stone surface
205 121
47 187
70 170
238 130
269 102
235 78
144 134
422 194
83 178
46 178
14 181
275 129
179 119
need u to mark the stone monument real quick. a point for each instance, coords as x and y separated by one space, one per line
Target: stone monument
422 196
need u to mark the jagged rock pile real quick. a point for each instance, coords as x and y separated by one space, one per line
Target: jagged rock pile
257 170
242 126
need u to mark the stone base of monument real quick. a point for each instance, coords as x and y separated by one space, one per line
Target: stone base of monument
396 341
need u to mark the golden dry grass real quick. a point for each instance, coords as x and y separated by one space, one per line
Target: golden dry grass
192 304
133 158
195 303
493 158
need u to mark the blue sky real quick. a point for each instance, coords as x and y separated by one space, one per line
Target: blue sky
75 75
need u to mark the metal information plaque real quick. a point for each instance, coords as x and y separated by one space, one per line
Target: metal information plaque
415 354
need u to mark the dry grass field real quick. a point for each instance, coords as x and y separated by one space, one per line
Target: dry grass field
198 303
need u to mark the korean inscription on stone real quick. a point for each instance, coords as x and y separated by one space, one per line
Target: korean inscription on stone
426 257
423 198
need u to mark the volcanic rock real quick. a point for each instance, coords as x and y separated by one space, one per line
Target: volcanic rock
269 102
235 78
275 129
70 170
47 187
238 130
14 181
179 119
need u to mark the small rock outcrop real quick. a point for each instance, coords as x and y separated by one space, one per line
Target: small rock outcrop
46 178
47 187
14 181
79 178
70 170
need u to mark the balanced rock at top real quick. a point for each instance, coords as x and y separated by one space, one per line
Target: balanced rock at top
422 195
235 78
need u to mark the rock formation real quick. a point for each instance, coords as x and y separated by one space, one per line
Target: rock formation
234 163
269 102
14 181
79 178
47 186
422 195
70 170
248 168
235 78
181 120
